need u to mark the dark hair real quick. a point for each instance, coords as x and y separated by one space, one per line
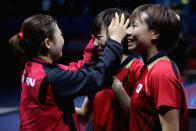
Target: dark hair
35 30
162 19
105 17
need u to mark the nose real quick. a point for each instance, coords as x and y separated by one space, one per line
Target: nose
129 30
96 42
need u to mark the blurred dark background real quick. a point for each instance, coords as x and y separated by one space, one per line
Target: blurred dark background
75 18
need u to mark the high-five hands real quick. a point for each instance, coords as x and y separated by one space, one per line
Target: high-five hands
118 28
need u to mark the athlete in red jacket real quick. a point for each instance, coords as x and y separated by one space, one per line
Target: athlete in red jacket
48 89
105 107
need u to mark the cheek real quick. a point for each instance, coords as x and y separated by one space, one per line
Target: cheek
139 36
102 42
129 30
105 38
61 41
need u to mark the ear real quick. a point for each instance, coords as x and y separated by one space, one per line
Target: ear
46 43
155 34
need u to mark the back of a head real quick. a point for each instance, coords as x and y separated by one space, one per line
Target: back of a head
104 18
34 30
162 19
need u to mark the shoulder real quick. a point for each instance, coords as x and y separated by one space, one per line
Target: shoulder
162 69
134 64
137 62
160 66
54 73
104 94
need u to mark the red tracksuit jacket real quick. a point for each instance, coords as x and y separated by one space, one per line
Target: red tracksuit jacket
48 90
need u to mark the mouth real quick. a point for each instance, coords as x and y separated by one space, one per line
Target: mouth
130 41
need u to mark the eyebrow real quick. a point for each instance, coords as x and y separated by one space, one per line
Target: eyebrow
99 35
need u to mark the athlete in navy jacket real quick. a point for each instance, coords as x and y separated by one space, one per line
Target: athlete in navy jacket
48 89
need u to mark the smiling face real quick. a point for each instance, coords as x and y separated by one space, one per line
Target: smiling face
139 36
100 27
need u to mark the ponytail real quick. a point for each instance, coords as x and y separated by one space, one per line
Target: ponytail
15 46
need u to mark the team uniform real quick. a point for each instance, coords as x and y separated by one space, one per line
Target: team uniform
107 114
159 85
48 90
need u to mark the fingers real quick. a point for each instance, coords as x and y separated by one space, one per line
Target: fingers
118 28
127 23
112 23
117 17
122 20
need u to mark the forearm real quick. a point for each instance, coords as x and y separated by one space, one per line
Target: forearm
85 112
83 118
122 97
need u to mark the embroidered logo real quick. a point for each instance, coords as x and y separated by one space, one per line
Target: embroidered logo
139 87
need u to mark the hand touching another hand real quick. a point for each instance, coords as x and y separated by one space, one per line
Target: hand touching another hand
118 28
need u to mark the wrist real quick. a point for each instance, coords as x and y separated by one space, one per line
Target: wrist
116 39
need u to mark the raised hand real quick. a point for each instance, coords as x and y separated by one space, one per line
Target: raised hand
118 28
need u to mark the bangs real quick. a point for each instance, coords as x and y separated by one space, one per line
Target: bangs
136 14
97 24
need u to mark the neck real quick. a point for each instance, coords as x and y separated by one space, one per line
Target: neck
124 56
46 58
149 54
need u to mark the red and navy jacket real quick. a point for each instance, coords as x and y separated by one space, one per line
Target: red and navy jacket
48 90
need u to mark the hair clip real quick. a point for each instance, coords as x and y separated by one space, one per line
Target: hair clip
21 35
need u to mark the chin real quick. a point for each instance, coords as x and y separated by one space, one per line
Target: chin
100 54
58 57
131 48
